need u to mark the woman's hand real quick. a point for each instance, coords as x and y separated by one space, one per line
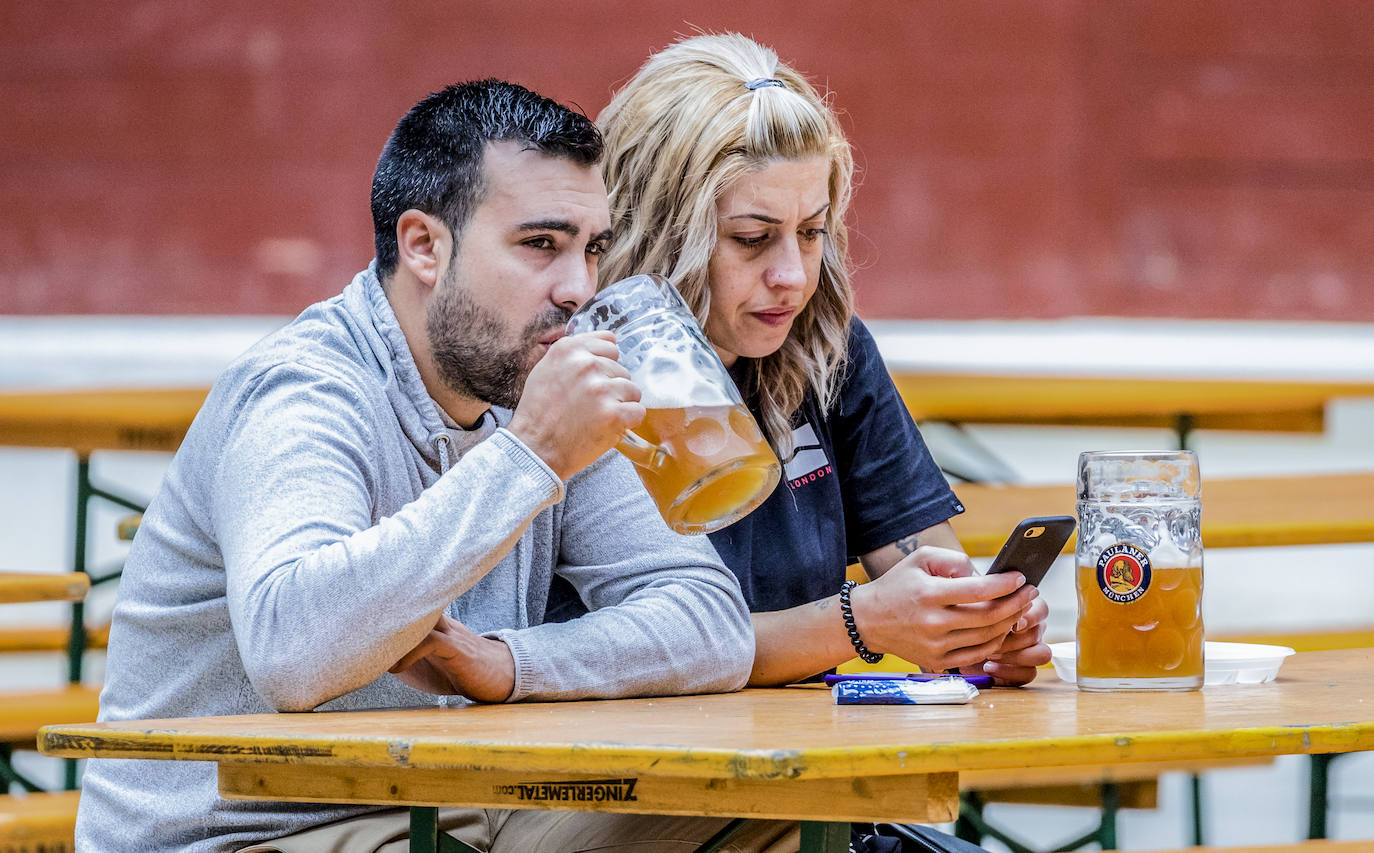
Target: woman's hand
933 609
453 660
1022 652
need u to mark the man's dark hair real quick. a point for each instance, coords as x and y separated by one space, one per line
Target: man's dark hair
433 160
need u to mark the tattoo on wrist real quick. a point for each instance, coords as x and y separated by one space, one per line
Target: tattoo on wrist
907 544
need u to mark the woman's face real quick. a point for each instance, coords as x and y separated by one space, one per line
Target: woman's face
767 260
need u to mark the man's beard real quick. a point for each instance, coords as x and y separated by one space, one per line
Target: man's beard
473 352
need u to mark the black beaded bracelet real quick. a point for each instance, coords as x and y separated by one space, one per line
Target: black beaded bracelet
848 613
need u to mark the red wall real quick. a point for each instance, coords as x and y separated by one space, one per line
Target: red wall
1192 158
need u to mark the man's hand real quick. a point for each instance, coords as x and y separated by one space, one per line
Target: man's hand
577 403
453 660
933 609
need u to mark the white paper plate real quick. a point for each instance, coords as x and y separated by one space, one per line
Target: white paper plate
1226 663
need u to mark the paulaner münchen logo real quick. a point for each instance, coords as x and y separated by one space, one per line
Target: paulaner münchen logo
1123 572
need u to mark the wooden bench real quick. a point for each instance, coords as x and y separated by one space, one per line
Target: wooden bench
1137 783
38 823
48 638
24 712
56 638
43 586
1321 846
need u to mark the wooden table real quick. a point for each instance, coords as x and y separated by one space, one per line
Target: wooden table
1179 374
1312 509
99 419
785 753
1179 403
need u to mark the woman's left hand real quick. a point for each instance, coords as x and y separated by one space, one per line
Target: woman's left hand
1022 651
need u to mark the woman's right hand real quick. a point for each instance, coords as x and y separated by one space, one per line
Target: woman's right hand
933 609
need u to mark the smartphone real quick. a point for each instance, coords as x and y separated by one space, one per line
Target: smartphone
1033 545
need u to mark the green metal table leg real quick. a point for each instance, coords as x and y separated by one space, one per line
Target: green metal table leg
1183 426
966 827
720 839
424 830
1320 774
86 491
76 638
1111 806
11 777
1195 782
426 837
824 837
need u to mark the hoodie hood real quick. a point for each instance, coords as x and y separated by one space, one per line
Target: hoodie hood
378 332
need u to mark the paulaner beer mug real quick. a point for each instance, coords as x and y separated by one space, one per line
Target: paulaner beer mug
1139 563
700 453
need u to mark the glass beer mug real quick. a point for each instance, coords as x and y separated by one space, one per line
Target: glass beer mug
1139 567
701 455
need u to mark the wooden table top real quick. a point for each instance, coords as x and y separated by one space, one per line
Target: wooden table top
43 586
1321 702
1298 509
1285 405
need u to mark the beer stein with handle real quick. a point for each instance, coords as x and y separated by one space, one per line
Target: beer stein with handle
701 455
1139 562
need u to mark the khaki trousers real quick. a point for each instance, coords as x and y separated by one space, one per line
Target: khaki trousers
529 831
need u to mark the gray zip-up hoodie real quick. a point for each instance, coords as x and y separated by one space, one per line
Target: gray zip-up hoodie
319 515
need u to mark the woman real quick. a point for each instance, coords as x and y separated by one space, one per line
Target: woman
728 173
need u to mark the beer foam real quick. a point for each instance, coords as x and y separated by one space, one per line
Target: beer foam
1104 540
673 380
1168 555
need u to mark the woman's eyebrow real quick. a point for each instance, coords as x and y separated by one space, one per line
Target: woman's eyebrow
773 221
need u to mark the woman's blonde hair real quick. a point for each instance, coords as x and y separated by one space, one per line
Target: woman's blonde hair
695 118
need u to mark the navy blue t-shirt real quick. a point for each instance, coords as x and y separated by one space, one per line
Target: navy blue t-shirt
860 477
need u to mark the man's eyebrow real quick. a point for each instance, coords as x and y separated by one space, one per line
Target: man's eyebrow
562 225
772 221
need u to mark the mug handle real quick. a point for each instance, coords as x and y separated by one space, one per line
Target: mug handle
642 453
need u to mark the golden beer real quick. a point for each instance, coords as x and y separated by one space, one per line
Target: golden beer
717 466
1157 635
699 452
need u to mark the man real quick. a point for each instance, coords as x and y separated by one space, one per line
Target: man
390 483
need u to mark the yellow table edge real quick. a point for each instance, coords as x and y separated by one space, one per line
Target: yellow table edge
80 741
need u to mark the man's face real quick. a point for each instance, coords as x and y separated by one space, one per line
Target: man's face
523 263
